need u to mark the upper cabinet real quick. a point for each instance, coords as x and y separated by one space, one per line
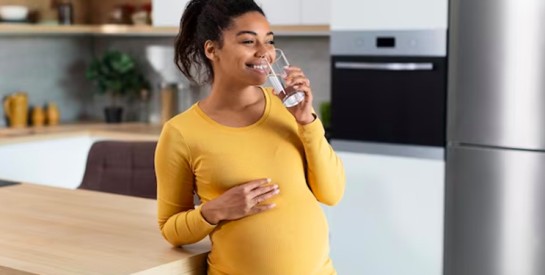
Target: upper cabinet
389 14
167 13
279 12
282 12
316 12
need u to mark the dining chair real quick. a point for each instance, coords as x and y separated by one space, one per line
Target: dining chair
121 167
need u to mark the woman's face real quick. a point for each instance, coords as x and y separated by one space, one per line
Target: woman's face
245 43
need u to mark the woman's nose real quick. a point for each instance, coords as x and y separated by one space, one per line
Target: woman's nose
261 53
262 56
268 55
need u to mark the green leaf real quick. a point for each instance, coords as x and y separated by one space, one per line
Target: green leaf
116 73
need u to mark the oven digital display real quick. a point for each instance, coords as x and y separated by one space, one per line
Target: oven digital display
386 42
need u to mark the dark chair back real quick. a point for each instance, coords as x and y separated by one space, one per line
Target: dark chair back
121 167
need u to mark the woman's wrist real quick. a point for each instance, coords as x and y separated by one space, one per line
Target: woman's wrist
307 119
209 214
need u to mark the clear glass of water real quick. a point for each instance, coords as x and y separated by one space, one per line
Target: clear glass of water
277 75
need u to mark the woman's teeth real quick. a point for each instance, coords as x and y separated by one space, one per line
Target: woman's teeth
259 67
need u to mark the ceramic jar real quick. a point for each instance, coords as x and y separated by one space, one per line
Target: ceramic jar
37 116
52 114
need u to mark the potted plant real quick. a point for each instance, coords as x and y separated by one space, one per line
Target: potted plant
325 115
115 74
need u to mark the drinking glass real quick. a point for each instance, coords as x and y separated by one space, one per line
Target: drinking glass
276 74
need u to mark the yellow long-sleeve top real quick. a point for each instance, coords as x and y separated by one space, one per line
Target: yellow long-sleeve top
197 154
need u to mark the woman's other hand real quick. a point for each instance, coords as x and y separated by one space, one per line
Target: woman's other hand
303 112
240 201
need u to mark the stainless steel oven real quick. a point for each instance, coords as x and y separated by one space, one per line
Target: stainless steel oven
389 87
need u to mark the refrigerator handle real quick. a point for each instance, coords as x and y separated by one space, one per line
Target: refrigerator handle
384 66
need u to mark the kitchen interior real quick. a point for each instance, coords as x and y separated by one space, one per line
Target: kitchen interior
434 106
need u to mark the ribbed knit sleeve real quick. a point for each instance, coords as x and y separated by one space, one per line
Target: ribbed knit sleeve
325 171
179 220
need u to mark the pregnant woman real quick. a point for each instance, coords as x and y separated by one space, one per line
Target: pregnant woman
260 169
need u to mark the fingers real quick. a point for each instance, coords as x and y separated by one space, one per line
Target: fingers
264 193
259 190
295 76
298 80
251 195
251 185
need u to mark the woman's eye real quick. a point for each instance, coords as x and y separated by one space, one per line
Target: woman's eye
247 42
271 42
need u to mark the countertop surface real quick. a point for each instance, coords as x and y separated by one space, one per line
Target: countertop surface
126 131
48 230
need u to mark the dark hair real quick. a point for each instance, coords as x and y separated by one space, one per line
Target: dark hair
205 20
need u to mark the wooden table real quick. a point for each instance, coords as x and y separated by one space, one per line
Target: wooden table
48 230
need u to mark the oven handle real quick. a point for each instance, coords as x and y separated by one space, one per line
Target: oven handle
384 66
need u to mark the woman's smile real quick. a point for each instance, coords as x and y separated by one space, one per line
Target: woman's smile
260 68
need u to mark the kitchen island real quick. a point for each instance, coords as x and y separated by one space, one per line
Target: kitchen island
57 155
128 131
48 230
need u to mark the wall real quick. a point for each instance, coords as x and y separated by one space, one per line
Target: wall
312 55
49 68
53 68
136 47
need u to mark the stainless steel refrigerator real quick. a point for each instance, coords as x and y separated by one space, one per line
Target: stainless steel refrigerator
495 187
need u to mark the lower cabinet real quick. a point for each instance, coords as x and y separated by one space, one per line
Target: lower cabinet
58 162
390 220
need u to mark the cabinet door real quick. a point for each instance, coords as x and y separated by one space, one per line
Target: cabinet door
167 13
279 12
390 220
58 162
282 12
389 14
315 12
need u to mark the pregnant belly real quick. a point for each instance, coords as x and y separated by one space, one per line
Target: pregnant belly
289 239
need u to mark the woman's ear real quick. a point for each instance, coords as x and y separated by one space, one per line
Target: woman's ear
210 49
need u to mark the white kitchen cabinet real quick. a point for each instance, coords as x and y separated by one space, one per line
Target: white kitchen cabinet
54 161
315 12
282 12
390 220
389 14
58 162
167 13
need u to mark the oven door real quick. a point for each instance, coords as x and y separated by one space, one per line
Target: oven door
389 99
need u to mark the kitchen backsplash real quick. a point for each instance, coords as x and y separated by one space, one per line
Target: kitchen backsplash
49 69
52 68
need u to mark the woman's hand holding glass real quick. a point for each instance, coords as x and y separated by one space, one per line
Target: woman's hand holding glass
240 201
303 112
291 86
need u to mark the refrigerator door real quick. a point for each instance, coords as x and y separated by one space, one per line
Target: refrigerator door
497 73
494 212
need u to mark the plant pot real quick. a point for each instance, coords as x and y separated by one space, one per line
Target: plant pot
328 133
113 114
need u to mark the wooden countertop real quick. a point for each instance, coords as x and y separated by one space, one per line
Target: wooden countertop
124 131
48 230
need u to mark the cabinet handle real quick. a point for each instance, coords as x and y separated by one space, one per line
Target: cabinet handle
384 66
